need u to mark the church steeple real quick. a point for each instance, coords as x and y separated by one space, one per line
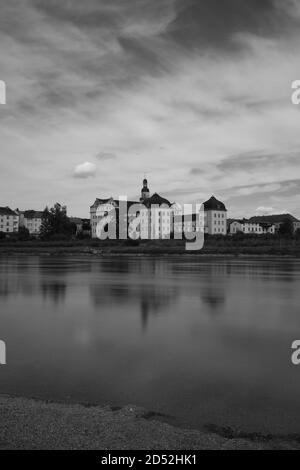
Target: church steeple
145 193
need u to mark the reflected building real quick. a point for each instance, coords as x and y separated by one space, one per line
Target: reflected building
56 291
142 282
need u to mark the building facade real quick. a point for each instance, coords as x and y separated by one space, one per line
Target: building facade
105 211
32 221
248 226
277 220
153 214
83 226
158 217
215 217
9 220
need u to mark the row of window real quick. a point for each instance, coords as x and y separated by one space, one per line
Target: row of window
165 214
219 222
251 229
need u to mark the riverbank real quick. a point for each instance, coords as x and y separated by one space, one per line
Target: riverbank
34 424
226 246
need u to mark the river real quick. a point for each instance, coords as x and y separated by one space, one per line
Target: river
203 340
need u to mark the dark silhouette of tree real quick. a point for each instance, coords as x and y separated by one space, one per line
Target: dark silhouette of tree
286 229
23 234
56 224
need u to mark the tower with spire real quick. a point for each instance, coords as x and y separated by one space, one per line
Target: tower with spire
145 193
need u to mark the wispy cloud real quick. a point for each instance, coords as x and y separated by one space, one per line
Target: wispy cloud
257 159
269 210
106 156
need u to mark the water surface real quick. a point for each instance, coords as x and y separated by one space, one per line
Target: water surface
204 340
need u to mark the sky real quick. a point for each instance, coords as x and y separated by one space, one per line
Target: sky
194 94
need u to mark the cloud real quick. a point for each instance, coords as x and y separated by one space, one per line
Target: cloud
165 89
256 159
264 210
106 156
215 24
269 211
282 188
85 170
284 196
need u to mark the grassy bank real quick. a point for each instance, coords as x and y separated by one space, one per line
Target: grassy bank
246 245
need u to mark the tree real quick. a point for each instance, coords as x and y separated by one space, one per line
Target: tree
286 229
46 225
56 224
23 234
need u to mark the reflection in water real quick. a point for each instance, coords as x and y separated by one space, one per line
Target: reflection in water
44 275
212 291
213 300
154 301
136 283
56 291
207 340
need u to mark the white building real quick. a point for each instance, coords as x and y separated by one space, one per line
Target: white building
156 219
185 221
215 217
277 220
101 210
155 214
9 220
32 221
159 218
246 226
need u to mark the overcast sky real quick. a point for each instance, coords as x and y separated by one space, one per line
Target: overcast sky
196 94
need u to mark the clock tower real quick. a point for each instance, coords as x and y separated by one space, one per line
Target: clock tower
145 193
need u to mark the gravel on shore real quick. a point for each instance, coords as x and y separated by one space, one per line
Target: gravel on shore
34 424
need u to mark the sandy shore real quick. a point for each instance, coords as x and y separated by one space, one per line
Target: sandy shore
33 424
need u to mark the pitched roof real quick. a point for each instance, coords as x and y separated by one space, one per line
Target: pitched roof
156 199
7 211
31 214
116 202
99 201
240 221
214 205
274 219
